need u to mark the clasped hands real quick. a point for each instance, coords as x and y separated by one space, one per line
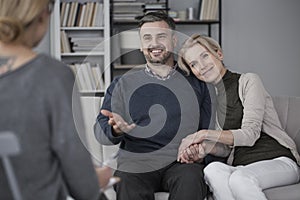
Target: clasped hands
192 148
117 122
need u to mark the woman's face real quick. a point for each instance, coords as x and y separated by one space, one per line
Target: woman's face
204 65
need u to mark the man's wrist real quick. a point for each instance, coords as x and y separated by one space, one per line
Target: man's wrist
116 133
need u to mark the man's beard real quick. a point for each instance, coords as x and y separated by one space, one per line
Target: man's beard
162 61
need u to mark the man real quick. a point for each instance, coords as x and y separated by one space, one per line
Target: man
149 112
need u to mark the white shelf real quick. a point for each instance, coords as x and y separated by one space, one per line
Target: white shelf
83 54
92 68
92 93
76 28
99 58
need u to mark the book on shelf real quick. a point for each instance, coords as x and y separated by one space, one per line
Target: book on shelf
98 18
62 12
208 9
126 16
66 13
65 43
88 14
128 8
72 13
154 6
82 14
85 39
199 9
124 1
80 81
130 5
86 49
85 44
88 76
81 43
97 72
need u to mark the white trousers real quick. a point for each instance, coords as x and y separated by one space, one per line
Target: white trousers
248 182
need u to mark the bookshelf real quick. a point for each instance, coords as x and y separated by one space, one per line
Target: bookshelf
80 37
81 40
207 14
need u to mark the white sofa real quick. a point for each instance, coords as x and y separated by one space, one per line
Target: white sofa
288 110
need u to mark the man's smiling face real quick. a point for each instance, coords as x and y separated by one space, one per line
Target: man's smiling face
157 42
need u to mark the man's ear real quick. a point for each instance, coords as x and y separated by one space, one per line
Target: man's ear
175 39
141 45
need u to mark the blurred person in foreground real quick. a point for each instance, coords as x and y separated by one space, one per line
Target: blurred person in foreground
36 104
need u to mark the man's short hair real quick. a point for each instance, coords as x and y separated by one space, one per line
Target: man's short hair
157 16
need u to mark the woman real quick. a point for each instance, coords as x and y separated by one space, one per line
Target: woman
36 104
248 129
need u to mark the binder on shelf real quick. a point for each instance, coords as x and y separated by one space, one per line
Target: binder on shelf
88 76
65 44
66 14
199 9
97 71
98 15
80 78
74 14
83 13
91 75
209 9
62 12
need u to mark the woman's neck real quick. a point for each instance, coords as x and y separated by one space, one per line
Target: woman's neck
221 75
13 56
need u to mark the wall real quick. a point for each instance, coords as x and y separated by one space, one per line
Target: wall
262 36
259 36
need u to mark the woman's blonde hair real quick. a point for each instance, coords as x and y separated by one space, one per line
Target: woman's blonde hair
207 42
16 15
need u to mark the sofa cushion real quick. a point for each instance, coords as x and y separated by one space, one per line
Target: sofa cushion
289 192
288 110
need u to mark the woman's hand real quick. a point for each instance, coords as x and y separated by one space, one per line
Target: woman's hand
193 153
191 139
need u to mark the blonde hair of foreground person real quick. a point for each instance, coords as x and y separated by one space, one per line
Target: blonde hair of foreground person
23 24
16 16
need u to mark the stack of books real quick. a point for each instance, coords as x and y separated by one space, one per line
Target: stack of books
83 44
154 6
75 43
127 10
